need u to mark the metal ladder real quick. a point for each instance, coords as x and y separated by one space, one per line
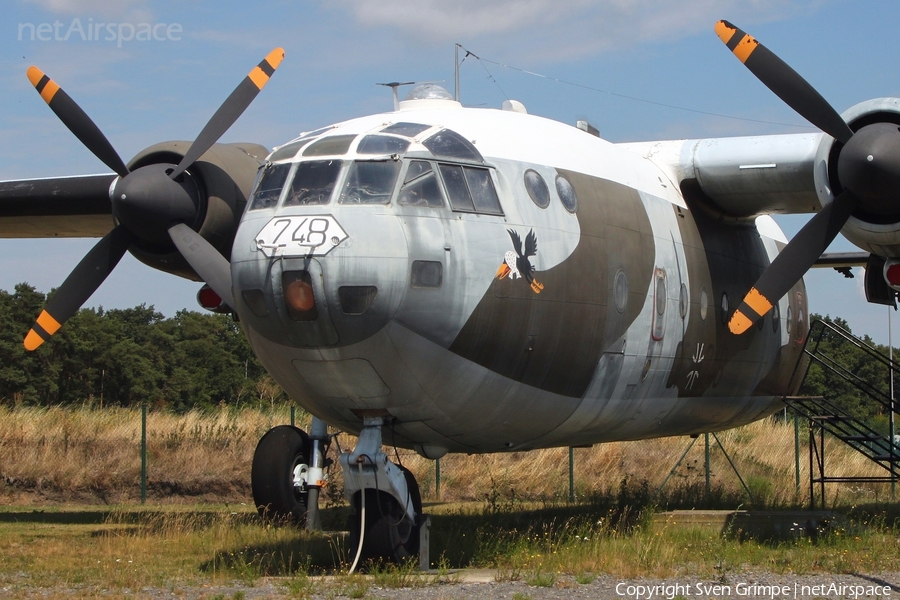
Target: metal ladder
826 415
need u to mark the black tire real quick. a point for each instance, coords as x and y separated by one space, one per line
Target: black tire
389 537
272 475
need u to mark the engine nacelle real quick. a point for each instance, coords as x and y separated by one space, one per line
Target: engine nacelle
224 176
877 234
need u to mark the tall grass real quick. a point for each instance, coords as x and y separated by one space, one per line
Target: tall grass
90 455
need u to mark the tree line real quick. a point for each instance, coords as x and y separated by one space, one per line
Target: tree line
128 357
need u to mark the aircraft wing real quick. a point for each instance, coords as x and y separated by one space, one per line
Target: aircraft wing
842 260
76 206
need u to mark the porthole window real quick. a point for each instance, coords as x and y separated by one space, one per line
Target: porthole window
683 301
566 194
537 188
620 290
724 307
660 299
660 296
790 317
704 304
776 317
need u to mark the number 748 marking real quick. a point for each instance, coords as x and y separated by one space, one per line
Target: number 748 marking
287 236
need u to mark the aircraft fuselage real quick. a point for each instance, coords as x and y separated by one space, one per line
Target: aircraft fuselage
498 281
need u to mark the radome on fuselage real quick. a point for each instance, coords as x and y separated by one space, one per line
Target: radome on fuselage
418 316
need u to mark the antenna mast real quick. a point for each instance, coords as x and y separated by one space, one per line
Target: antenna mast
456 73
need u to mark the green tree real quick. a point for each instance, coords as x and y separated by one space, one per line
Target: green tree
127 357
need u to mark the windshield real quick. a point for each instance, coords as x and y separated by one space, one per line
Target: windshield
269 188
313 182
370 182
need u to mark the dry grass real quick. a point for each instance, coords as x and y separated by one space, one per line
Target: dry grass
65 455
62 455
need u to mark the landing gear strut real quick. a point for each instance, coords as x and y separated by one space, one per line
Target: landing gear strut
386 524
287 473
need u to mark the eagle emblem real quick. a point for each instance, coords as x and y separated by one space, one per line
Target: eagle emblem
516 265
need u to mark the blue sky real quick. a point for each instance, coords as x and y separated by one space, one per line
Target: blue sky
142 92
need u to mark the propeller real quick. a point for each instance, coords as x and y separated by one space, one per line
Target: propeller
156 203
868 168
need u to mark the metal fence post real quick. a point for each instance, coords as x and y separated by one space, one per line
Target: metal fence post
571 474
797 453
437 479
143 453
293 413
706 437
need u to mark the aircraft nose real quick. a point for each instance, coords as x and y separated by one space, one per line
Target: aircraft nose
338 298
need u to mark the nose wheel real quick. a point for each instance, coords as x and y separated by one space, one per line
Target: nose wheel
279 474
388 517
390 536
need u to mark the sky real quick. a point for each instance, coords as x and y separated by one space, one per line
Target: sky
637 69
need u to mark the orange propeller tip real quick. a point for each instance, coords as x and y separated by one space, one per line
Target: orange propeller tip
34 75
275 57
739 323
725 30
33 341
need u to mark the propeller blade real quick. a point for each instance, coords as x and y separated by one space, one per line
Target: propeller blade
76 120
205 260
79 285
784 81
792 262
231 109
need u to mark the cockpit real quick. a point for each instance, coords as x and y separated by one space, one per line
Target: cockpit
402 164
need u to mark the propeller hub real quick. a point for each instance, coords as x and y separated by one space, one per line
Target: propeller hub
869 166
148 202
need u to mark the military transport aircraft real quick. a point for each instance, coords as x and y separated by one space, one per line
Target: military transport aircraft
453 279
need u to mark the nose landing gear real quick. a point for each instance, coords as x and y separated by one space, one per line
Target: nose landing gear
388 517
288 472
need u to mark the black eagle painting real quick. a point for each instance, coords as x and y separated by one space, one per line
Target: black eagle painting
516 264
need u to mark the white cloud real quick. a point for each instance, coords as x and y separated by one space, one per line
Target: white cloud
556 31
134 11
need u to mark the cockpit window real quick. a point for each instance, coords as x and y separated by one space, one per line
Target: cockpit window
449 144
482 189
471 189
455 181
370 182
421 186
382 144
333 145
288 150
268 190
409 130
313 182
